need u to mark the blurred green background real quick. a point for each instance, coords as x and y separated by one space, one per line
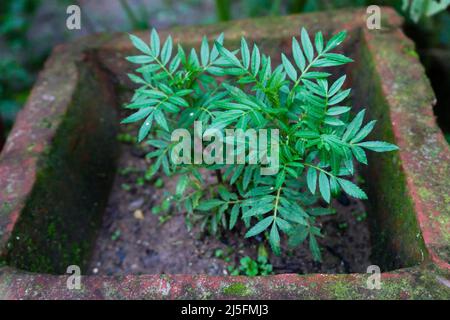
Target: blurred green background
30 28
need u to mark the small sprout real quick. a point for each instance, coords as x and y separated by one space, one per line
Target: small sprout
125 138
125 187
343 226
116 235
159 183
218 253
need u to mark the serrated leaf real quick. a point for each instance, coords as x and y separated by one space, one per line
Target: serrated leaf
319 42
364 131
336 40
258 209
161 119
289 68
154 43
274 239
339 97
139 115
352 189
324 186
245 53
204 52
139 44
359 154
307 45
314 248
298 236
228 55
334 111
354 126
182 184
256 60
209 204
140 59
259 227
336 86
234 215
311 179
145 128
298 55
166 51
378 146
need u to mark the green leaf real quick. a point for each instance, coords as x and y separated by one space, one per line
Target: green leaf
209 204
321 211
314 247
166 51
182 184
378 146
139 44
324 186
354 126
145 128
204 52
337 111
136 79
256 60
283 224
234 215
228 55
339 97
352 189
311 179
259 227
359 154
336 57
319 42
298 55
140 59
274 239
290 70
336 40
161 119
337 85
258 209
245 53
298 236
364 131
141 114
154 43
307 45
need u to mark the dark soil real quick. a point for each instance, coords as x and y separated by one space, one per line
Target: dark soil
133 240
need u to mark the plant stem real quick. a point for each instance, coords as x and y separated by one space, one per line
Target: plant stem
223 10
219 176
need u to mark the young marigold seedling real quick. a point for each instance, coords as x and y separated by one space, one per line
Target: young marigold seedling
313 139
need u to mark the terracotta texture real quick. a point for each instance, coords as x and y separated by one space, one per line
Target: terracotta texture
56 167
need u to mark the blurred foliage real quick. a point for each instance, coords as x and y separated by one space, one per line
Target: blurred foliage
16 72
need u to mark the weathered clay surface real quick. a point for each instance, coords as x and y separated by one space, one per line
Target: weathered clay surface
415 216
405 284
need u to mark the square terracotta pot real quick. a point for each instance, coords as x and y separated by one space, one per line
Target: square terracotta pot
58 163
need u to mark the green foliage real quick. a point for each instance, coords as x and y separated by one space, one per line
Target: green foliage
252 268
239 88
418 9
